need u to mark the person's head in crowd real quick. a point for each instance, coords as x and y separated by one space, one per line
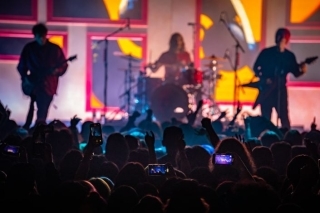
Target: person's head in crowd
232 145
253 142
283 130
57 124
149 203
117 149
95 166
293 137
109 169
132 141
203 176
131 175
268 137
198 157
299 150
101 186
108 181
262 156
281 152
140 155
303 167
122 199
186 196
270 176
172 136
146 188
61 142
85 130
253 196
69 164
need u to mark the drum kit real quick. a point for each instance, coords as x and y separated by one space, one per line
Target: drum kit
171 99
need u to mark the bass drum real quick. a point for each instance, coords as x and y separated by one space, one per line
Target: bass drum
169 101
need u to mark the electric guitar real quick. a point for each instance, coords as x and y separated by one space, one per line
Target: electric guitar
28 86
266 89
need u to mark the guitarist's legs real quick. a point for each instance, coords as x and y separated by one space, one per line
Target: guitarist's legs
266 109
30 112
284 112
43 101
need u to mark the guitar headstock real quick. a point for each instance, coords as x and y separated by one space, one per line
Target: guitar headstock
71 58
311 59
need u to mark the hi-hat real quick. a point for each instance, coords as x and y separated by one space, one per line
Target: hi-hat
124 56
214 58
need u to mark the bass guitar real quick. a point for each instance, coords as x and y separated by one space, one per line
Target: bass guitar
266 89
28 86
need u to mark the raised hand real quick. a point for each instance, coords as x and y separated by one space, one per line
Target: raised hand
239 108
206 122
313 124
149 139
8 111
239 138
223 114
74 121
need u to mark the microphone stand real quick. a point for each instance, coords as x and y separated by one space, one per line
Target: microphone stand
235 65
106 63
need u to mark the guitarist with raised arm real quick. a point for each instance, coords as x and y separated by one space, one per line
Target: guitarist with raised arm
39 72
272 67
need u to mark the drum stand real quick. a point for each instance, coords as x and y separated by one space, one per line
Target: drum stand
128 87
141 96
212 80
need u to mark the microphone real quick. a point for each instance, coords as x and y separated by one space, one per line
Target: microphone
128 24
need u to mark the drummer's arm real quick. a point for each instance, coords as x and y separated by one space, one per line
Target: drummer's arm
155 66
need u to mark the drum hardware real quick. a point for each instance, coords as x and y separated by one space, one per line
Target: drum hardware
210 108
235 65
128 57
128 80
214 58
106 67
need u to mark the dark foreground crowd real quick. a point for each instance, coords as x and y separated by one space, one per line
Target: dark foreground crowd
58 168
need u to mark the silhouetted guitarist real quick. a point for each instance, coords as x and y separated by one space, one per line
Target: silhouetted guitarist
39 75
272 66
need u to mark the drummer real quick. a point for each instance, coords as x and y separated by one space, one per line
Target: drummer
175 59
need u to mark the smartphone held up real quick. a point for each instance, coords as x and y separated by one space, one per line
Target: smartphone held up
11 150
157 169
224 159
95 134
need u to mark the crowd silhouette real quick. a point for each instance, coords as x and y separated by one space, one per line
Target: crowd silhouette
57 168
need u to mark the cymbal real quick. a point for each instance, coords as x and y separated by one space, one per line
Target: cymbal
124 56
214 58
213 65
